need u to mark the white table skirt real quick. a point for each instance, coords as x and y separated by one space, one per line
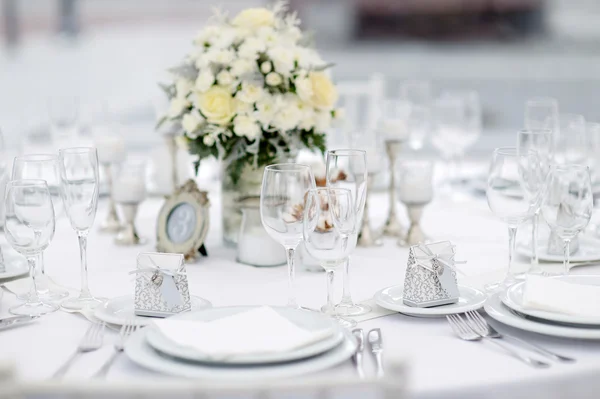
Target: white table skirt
439 363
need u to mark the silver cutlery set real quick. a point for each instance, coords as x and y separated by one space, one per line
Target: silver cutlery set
92 340
375 341
471 326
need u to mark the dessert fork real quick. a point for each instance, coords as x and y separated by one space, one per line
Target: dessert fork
91 341
124 333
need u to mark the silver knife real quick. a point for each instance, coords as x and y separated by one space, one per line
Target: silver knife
357 358
15 320
376 344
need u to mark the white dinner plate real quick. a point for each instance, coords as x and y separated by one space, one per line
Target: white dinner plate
513 298
391 298
120 311
502 313
138 350
311 321
15 267
589 251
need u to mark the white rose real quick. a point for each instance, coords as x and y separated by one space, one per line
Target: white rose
204 81
283 60
177 106
318 90
208 140
241 67
224 78
244 125
266 67
274 79
191 122
250 93
304 89
217 105
254 18
266 109
183 87
322 121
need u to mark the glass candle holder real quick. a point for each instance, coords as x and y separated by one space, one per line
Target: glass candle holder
415 190
255 245
111 151
129 191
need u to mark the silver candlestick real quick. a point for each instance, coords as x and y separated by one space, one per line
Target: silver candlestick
366 237
392 227
128 234
415 234
111 224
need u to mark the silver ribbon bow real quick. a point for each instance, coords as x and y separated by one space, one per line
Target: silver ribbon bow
445 259
165 279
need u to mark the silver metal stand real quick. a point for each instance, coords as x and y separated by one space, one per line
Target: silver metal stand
111 224
367 237
392 227
128 234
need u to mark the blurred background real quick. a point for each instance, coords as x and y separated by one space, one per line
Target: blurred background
109 55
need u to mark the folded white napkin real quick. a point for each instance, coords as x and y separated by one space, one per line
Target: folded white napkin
554 295
258 331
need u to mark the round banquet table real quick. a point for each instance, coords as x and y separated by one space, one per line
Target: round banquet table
439 363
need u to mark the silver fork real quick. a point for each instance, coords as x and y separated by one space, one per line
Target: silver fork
482 327
464 332
91 341
124 333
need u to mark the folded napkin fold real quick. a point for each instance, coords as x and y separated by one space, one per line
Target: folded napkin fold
554 295
257 331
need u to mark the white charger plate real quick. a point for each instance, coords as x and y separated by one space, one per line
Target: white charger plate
589 251
502 313
391 298
15 267
513 298
141 353
311 321
120 311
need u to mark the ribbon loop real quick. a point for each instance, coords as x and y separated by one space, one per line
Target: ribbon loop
427 262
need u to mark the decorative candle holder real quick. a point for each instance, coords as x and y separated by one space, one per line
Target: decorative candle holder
129 191
392 226
366 237
111 151
111 224
415 190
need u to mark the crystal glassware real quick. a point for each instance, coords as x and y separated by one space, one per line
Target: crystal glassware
111 152
348 169
42 167
542 142
568 203
129 190
283 192
571 143
415 190
29 226
507 198
329 222
542 113
79 189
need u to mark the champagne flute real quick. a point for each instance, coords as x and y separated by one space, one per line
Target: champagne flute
283 192
43 167
348 169
79 189
29 225
329 221
568 203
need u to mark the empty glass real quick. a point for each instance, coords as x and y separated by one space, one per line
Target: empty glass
542 113
283 192
541 141
79 189
571 141
43 167
507 198
329 221
568 203
348 169
29 227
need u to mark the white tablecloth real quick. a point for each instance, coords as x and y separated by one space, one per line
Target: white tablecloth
439 363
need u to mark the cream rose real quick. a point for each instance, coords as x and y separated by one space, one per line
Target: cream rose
324 94
254 18
217 105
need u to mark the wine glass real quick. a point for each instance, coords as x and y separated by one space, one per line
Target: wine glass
507 198
43 167
283 192
79 189
542 113
329 221
29 225
348 169
571 142
542 142
568 203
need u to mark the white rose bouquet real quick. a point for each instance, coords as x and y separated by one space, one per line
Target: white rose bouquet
252 91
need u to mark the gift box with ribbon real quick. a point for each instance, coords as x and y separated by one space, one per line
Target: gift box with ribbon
161 286
430 278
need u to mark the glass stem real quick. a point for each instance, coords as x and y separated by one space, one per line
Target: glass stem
535 261
392 214
85 291
330 278
41 263
33 295
290 252
512 234
346 296
567 253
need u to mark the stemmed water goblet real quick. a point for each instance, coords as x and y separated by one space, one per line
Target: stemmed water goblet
348 169
507 198
111 152
282 198
542 142
568 203
329 221
42 167
129 191
29 225
79 189
415 190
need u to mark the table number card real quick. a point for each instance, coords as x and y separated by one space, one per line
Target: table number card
161 285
